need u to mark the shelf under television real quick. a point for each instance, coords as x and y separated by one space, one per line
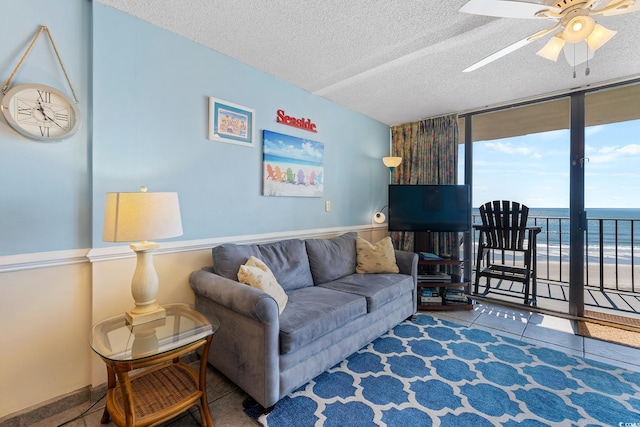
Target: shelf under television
445 305
456 281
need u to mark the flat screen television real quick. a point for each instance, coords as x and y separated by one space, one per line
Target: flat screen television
429 208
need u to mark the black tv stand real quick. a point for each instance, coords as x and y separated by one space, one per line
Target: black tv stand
440 277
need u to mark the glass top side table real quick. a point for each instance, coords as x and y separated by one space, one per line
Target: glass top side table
167 387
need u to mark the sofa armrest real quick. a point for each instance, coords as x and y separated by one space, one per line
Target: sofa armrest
238 297
408 264
246 346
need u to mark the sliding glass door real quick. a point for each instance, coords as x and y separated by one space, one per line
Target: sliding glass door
612 199
574 160
522 154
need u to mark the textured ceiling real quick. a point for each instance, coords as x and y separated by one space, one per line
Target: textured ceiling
396 61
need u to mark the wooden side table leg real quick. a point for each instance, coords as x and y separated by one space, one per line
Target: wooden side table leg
111 383
105 417
127 398
205 414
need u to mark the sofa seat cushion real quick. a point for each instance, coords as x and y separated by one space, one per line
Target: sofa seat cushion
315 311
287 260
333 258
378 289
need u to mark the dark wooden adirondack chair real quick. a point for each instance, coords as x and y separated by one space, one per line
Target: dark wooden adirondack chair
504 231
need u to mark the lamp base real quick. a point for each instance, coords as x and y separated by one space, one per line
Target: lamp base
134 317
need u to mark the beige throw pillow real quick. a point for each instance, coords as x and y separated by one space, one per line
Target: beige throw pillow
255 273
376 258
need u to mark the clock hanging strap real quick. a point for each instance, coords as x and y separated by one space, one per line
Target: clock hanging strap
24 57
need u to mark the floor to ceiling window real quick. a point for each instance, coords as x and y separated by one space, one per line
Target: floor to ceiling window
612 200
530 153
522 154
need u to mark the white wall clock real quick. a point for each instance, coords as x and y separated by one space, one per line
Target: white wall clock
40 112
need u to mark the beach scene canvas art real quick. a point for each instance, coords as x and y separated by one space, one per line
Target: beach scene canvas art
292 166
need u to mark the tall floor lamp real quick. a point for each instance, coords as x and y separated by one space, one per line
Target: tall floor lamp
142 217
391 163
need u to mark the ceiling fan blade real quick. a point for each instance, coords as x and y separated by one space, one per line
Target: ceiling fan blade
507 8
618 7
499 54
511 48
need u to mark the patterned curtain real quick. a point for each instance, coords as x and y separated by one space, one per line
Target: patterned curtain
429 151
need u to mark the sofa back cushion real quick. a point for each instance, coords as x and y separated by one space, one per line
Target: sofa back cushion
331 259
376 258
287 260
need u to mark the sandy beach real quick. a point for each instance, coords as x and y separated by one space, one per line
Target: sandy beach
302 181
623 281
553 288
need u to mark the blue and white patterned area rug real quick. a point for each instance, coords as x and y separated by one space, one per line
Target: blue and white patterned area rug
431 372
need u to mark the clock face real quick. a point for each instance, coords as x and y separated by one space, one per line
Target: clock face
40 112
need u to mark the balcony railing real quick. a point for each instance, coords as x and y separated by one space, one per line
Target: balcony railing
611 254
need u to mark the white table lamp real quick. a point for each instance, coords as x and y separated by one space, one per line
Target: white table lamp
142 217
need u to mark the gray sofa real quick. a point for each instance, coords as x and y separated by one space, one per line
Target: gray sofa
331 311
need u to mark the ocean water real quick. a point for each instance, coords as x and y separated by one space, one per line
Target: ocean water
290 160
619 230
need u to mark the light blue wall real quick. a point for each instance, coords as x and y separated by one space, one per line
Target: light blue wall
143 94
45 199
150 128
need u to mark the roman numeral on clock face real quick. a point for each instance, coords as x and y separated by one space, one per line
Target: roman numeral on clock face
61 116
44 131
44 96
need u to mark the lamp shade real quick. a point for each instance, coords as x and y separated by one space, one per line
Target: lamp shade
392 162
599 37
552 49
577 53
379 217
578 29
130 217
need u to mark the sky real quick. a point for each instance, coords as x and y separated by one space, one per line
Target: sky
534 169
291 147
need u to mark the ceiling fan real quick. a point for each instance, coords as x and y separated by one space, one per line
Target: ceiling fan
578 33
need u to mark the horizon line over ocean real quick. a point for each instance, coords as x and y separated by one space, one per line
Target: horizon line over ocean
620 229
592 213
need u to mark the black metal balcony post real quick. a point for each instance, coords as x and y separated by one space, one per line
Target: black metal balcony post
601 252
468 179
633 277
578 217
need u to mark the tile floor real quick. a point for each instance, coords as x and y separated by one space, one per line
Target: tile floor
225 399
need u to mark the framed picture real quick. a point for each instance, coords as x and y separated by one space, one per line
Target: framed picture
231 123
291 166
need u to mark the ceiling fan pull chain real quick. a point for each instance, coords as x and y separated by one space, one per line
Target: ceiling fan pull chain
587 71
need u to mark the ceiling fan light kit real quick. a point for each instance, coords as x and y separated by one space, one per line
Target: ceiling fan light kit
578 29
577 53
599 37
552 49
580 36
